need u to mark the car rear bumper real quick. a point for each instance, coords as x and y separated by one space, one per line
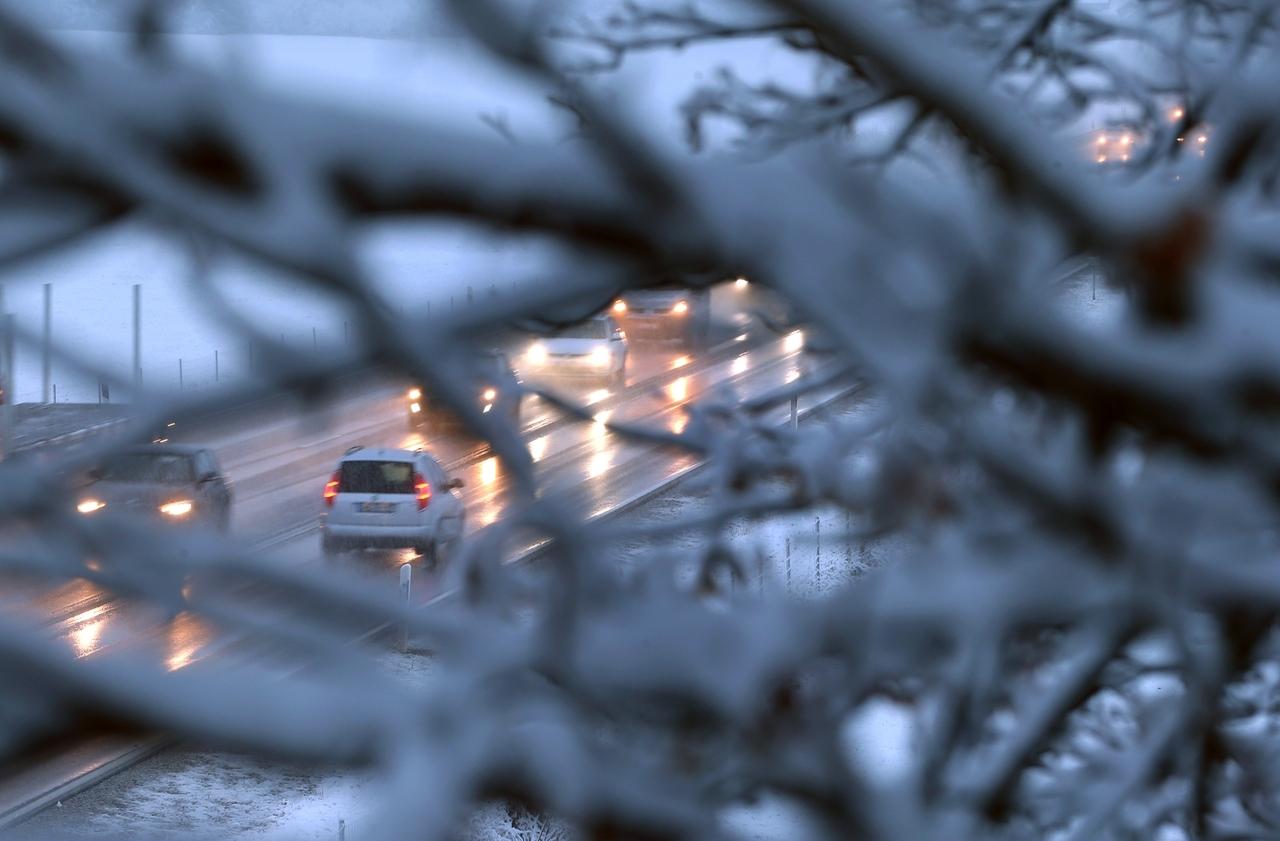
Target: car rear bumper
361 536
655 327
572 369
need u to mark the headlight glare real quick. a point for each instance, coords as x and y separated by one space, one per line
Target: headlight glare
537 353
177 508
88 506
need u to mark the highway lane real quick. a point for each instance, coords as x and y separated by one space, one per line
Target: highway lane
584 455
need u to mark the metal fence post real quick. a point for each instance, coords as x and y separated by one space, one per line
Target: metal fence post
179 373
46 346
10 395
788 565
137 337
795 411
217 374
817 555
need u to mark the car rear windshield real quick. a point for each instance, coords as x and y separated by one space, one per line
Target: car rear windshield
593 329
376 477
165 468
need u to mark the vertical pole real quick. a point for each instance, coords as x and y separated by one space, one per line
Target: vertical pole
315 343
470 295
179 373
10 395
137 338
55 392
795 411
217 373
406 586
250 357
788 564
342 829
848 543
46 348
817 557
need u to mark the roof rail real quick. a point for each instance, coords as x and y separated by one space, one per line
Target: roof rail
351 450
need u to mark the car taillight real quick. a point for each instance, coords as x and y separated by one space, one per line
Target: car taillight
331 490
424 491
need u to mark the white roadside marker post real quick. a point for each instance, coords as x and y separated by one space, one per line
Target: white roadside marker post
406 586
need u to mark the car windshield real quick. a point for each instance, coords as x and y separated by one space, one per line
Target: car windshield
376 477
593 329
165 468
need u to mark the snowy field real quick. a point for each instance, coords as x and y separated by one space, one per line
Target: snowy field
434 80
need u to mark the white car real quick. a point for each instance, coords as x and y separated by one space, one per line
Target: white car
595 349
391 498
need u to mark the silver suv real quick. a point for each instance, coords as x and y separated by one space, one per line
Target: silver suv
391 498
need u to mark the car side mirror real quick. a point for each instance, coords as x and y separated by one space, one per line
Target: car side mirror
453 484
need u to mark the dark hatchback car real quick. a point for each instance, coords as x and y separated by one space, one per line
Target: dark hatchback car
172 483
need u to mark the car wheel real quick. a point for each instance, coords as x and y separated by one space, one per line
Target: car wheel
329 547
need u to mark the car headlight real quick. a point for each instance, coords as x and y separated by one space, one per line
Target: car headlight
680 308
537 353
415 407
177 508
415 394
88 506
489 395
619 306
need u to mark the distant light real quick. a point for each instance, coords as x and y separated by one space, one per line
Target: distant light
1202 139
1127 140
1102 159
415 407
415 394
680 308
1177 114
88 506
490 394
741 283
1102 140
1180 139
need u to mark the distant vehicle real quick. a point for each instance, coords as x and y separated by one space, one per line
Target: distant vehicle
386 498
494 393
595 349
680 316
177 484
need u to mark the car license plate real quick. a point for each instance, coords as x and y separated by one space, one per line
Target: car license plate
377 507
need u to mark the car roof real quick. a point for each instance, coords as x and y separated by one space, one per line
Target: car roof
385 454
